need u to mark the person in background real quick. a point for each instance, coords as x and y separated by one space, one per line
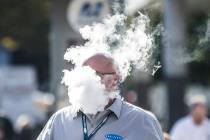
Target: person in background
25 133
24 128
196 125
6 128
166 136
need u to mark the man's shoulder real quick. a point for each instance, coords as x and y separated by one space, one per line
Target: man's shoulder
57 122
65 113
138 111
64 110
146 121
207 121
182 122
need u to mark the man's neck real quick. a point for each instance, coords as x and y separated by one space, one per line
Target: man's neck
111 101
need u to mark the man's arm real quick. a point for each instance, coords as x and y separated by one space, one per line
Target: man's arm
153 128
177 132
47 132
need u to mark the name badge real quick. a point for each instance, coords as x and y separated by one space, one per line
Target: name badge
113 137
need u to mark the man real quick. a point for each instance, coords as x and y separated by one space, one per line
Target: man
195 126
119 120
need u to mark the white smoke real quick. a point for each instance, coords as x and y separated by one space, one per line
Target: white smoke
129 47
206 38
134 46
134 5
85 90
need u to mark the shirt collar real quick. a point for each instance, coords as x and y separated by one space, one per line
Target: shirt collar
116 107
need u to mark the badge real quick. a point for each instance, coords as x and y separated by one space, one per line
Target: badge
113 137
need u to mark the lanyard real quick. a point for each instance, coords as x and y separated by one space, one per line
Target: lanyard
84 125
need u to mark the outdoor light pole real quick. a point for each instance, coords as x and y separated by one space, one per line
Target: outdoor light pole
173 56
59 36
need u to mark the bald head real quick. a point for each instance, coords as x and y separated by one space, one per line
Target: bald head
105 68
101 63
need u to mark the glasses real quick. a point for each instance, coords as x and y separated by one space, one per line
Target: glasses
103 74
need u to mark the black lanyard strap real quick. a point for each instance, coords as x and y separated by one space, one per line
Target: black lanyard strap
84 125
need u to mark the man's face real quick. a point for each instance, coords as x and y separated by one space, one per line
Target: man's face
105 69
199 113
110 80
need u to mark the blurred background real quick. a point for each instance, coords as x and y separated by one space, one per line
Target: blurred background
34 35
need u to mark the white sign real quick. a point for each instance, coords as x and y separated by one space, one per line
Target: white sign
86 12
17 87
17 80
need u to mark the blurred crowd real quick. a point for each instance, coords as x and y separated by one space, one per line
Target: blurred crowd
23 128
23 132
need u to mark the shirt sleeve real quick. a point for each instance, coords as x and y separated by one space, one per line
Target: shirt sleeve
176 132
47 132
158 128
153 128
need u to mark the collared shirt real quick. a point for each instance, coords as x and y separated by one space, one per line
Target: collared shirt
186 129
127 122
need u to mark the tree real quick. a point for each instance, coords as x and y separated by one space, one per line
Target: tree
27 23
